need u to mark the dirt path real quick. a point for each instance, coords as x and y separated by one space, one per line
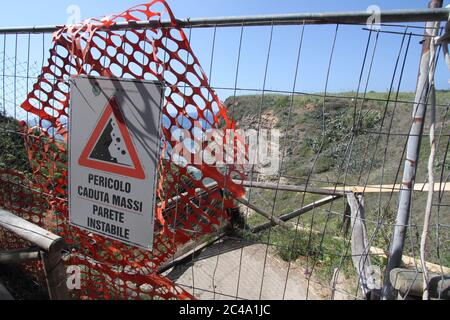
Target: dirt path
220 269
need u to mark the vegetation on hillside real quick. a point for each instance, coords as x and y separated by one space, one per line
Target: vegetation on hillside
13 155
342 140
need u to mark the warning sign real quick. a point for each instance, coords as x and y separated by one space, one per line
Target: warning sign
110 147
113 156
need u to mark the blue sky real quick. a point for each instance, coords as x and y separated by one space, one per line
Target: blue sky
347 61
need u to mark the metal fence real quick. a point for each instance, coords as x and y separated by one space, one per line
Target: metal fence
321 226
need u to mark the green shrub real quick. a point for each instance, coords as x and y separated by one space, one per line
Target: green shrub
13 155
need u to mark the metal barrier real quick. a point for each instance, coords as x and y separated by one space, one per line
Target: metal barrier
49 249
352 154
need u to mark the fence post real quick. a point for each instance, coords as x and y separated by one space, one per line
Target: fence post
368 280
55 272
412 156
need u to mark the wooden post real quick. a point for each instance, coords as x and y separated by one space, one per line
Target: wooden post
297 213
272 218
292 188
361 249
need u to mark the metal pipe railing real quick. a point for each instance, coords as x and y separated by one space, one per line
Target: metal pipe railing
358 17
50 245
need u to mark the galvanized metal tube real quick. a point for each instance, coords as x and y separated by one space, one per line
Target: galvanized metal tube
358 17
412 157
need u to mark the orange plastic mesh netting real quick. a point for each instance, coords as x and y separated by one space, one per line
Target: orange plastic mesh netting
111 269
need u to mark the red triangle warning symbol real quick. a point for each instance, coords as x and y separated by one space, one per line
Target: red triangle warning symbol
110 147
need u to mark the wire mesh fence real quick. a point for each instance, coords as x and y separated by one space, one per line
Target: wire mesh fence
341 97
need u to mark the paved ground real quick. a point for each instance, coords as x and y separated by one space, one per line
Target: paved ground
215 275
4 294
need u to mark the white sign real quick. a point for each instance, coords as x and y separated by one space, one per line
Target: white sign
114 147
